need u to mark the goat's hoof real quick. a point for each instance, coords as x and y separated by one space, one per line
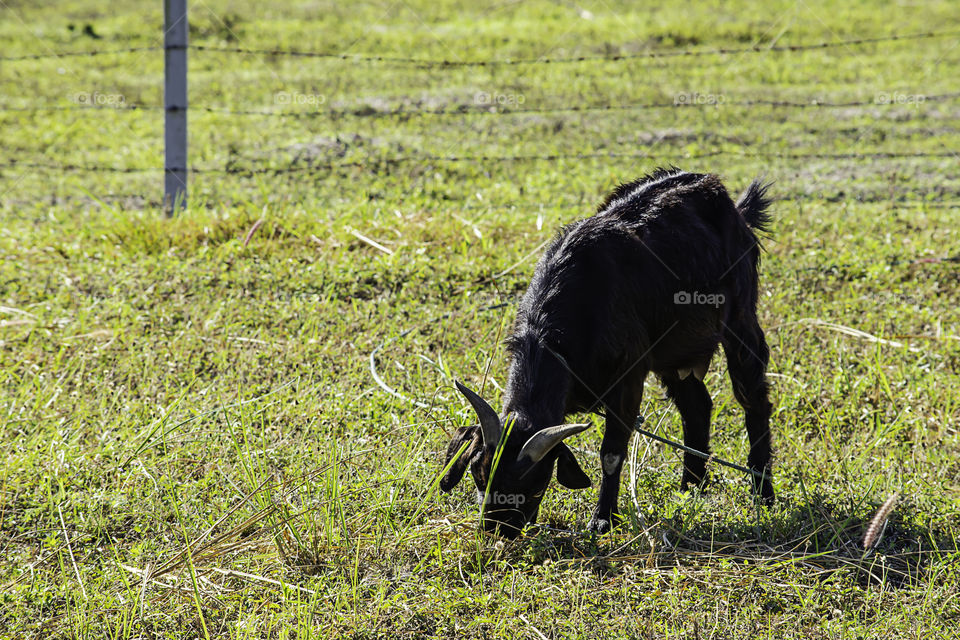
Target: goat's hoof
689 482
766 497
763 492
603 524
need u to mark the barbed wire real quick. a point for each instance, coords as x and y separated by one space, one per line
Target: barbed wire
82 107
667 53
467 109
68 167
473 109
833 268
315 167
552 157
54 199
859 197
75 54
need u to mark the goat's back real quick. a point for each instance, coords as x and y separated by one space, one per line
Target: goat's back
607 288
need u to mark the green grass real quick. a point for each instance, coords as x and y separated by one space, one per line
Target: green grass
178 405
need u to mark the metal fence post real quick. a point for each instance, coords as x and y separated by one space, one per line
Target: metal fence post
175 105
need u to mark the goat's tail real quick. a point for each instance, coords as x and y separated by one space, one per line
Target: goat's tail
753 205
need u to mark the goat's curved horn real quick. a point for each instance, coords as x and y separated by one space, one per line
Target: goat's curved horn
540 443
489 420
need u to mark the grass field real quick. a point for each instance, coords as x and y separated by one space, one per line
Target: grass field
193 442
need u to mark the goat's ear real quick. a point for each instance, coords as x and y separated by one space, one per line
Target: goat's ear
569 473
464 435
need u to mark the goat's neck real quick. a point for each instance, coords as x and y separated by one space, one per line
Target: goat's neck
537 387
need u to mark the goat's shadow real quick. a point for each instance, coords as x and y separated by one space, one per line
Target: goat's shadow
818 533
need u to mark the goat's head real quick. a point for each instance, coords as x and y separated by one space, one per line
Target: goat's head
519 460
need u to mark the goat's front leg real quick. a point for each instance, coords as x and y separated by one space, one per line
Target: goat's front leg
613 451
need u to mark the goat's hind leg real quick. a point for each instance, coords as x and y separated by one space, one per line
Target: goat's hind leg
747 356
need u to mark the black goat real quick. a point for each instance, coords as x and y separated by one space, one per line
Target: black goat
663 273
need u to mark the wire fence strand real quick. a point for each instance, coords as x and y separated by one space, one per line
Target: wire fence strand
77 54
649 54
466 109
934 198
374 161
661 53
474 109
